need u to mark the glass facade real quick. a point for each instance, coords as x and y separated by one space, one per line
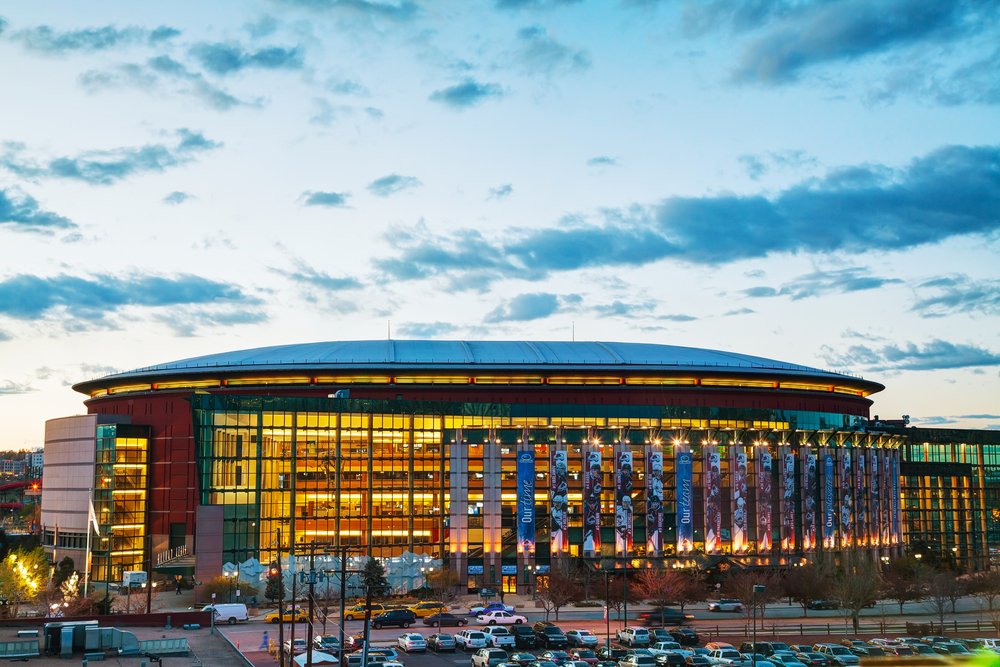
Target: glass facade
120 492
441 479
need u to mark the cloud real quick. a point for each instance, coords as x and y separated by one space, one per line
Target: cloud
854 279
621 309
752 166
502 192
739 311
223 59
524 308
830 32
186 322
755 273
177 197
309 277
44 39
533 4
979 416
467 94
677 318
602 161
399 10
935 355
535 52
107 167
5 336
974 82
329 199
426 329
391 184
21 212
265 26
154 74
756 166
8 388
957 294
87 302
933 421
342 86
952 191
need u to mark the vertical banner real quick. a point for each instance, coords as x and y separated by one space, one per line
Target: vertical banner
860 504
713 501
873 493
559 503
763 500
895 496
654 500
809 502
740 519
526 504
623 504
829 505
886 497
592 483
846 513
787 500
685 502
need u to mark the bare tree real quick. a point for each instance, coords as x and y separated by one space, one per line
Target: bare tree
557 590
691 589
444 582
900 584
740 585
939 593
856 585
985 586
616 595
586 576
660 587
807 583
959 589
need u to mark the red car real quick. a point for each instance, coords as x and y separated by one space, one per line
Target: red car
584 655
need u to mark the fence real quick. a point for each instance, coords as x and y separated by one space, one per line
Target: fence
831 629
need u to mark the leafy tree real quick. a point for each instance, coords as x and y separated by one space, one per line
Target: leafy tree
557 590
22 576
376 584
805 584
63 572
856 585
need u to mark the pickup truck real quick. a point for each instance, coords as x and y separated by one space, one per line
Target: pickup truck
660 648
728 656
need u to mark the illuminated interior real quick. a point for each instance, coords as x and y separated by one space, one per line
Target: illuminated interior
120 489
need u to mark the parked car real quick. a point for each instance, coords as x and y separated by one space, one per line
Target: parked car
711 646
295 647
611 653
478 609
499 637
354 642
697 661
950 648
399 617
838 655
357 612
327 643
550 636
801 648
727 656
386 652
934 639
758 660
287 616
471 639
488 657
428 608
606 663
901 650
812 659
726 605
524 637
822 604
868 651
228 613
583 655
555 656
522 659
684 636
786 659
443 619
666 647
849 643
411 641
441 642
909 640
500 618
671 660
638 661
581 638
543 663
971 644
633 636
661 635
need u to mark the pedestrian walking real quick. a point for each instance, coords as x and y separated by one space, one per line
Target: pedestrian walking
501 596
264 643
178 587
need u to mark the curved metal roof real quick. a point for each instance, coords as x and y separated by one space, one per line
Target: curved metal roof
455 355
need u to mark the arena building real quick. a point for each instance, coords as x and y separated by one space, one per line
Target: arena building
496 458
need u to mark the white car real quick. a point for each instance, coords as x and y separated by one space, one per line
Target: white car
499 637
725 605
786 659
662 648
471 639
727 656
477 609
500 618
581 638
412 641
634 637
488 657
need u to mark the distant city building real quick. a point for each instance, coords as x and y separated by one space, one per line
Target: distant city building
36 459
15 466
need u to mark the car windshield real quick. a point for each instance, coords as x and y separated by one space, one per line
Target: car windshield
551 630
584 633
585 654
839 650
730 654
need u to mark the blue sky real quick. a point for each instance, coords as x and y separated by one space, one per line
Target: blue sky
816 181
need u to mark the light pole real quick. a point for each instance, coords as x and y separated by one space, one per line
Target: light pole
756 589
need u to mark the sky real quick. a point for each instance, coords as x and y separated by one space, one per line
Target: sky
814 181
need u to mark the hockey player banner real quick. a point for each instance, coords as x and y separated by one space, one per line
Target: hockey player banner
874 518
829 505
740 519
592 483
713 503
860 503
788 502
895 496
654 501
559 503
809 503
846 510
763 500
526 503
623 504
685 502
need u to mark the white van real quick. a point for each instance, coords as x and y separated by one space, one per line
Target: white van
229 613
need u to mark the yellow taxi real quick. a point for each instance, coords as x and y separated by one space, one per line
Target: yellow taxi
287 616
357 612
425 609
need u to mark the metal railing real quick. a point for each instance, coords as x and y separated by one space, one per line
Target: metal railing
170 554
833 629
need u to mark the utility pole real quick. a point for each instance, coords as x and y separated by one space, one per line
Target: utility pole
281 609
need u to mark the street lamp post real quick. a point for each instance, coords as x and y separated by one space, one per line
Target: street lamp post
756 589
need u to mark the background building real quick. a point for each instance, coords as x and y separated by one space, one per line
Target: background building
496 457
